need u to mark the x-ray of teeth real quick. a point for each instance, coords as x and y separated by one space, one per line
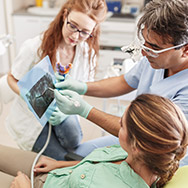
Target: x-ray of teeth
34 88
40 96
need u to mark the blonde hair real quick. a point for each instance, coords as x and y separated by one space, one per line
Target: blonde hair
158 128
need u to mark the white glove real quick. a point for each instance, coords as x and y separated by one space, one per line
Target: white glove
70 84
70 102
57 117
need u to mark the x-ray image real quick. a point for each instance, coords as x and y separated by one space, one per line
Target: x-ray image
40 96
34 87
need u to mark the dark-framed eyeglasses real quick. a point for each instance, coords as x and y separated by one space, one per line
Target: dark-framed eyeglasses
72 28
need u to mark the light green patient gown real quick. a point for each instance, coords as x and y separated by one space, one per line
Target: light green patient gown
95 171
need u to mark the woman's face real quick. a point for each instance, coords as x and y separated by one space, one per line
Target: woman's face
123 140
123 135
77 27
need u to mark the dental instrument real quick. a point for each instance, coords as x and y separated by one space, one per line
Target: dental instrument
76 103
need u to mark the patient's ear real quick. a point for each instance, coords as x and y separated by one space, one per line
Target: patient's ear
135 149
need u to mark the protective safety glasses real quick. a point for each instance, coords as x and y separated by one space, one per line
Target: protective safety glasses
155 53
138 44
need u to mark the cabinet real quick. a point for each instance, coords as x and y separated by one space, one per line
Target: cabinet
27 27
117 32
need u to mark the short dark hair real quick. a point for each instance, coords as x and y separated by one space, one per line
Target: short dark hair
167 18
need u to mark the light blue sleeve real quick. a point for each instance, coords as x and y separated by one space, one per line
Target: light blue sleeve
181 100
133 76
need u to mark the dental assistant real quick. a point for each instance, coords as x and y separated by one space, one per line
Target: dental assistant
72 37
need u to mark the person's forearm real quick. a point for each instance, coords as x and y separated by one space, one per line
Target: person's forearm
63 164
110 87
106 121
12 82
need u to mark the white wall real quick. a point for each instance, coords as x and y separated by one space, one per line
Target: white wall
60 2
17 4
4 59
139 2
32 2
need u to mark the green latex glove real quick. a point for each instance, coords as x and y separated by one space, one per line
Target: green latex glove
70 84
70 102
57 117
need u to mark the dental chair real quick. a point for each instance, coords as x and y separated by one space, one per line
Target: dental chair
180 179
73 157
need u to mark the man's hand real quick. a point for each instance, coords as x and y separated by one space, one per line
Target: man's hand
21 181
70 102
70 84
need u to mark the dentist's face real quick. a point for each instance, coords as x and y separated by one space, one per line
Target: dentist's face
172 60
77 28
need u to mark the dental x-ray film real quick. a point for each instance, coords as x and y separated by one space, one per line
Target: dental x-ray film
34 88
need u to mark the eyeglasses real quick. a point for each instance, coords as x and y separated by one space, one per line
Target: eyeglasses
137 46
155 53
72 28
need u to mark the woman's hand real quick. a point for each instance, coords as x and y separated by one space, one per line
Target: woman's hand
45 164
21 181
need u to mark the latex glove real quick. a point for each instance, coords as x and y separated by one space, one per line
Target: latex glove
71 84
59 78
57 117
70 102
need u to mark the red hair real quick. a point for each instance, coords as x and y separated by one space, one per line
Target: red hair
95 9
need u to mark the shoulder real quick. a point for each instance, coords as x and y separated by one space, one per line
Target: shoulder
26 57
33 43
109 153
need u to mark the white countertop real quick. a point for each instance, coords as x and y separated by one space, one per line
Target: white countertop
52 12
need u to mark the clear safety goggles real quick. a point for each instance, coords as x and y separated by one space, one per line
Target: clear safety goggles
138 45
155 53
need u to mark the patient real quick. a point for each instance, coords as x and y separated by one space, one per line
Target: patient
153 139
